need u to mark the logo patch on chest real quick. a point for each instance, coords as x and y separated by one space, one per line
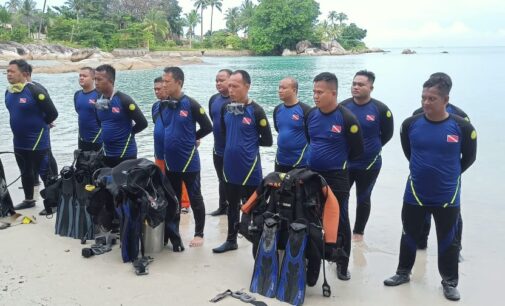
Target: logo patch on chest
295 117
183 113
116 110
336 128
370 117
247 120
22 100
452 138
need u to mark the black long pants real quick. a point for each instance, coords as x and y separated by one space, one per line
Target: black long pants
48 166
192 182
29 165
446 221
339 184
423 241
218 165
89 146
365 181
235 195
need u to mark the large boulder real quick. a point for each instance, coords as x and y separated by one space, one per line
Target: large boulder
408 51
288 52
82 54
302 46
337 51
328 45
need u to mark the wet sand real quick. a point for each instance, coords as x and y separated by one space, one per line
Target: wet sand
39 268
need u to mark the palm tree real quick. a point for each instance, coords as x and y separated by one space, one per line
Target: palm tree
332 17
232 17
246 13
13 6
42 17
201 4
27 10
218 4
156 23
341 18
192 19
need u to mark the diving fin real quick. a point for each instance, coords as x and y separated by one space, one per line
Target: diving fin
64 214
292 279
266 265
83 225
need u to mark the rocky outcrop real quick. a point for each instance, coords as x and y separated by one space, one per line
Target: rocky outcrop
288 52
302 46
408 51
332 46
13 50
82 54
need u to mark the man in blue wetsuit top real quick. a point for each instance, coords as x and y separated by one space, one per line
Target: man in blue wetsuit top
180 115
90 131
451 109
376 121
440 147
245 127
216 103
289 120
119 116
31 111
335 138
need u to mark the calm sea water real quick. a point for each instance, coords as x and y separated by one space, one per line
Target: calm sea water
478 77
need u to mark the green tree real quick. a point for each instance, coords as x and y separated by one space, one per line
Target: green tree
13 5
156 23
173 12
41 19
232 17
280 24
218 4
27 12
246 14
352 37
341 18
5 16
192 19
201 5
332 17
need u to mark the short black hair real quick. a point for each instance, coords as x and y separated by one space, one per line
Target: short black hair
158 80
444 76
22 65
369 74
176 73
110 72
245 76
327 77
30 69
440 83
228 71
91 70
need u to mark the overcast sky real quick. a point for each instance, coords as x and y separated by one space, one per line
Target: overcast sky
403 23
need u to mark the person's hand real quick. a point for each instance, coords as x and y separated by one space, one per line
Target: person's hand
198 143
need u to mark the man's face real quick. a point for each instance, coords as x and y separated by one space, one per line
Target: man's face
361 87
286 90
324 94
158 91
14 75
222 82
85 78
102 82
237 88
433 101
171 86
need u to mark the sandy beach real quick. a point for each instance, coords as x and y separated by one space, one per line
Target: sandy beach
39 268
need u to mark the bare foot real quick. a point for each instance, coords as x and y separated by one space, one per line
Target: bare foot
196 242
357 237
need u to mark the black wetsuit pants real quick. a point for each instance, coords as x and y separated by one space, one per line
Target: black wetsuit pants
339 183
48 166
89 146
423 241
192 182
446 221
235 195
29 163
365 181
218 165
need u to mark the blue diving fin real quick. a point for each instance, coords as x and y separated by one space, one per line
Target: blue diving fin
292 279
266 264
